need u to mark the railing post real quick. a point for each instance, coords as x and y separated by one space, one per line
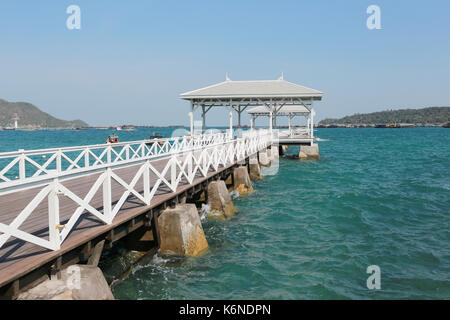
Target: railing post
108 155
22 172
127 151
107 205
58 161
204 162
86 158
53 216
173 172
189 165
146 178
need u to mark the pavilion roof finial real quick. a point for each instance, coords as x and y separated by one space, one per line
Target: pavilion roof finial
227 78
282 76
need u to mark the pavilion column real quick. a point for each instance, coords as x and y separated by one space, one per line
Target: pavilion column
290 127
231 123
309 123
239 117
203 118
271 121
275 117
191 118
312 122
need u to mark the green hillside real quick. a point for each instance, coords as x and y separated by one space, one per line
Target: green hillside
431 115
32 116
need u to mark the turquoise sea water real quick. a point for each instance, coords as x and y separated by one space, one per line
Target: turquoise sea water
375 197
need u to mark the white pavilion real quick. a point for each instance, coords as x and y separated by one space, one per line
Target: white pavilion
273 98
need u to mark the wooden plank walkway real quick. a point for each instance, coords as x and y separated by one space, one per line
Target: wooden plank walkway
17 257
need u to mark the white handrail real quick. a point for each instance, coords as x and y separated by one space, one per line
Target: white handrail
187 156
93 155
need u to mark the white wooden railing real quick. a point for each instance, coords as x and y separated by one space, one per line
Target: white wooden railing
186 157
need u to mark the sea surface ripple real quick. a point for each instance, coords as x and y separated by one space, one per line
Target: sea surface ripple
375 197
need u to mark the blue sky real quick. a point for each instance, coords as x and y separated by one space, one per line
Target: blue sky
132 59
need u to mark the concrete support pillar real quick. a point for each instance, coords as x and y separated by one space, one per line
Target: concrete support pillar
242 182
255 169
309 152
78 282
181 231
264 159
274 151
219 200
270 155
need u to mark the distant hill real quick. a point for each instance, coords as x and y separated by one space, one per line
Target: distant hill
32 116
431 115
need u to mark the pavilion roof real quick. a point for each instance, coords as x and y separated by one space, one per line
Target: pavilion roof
253 89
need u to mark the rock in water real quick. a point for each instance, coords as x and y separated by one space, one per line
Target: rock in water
78 282
219 200
181 231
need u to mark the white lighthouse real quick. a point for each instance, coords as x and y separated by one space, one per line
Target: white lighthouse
15 118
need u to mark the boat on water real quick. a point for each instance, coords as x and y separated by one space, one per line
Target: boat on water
156 135
112 139
447 125
127 128
389 125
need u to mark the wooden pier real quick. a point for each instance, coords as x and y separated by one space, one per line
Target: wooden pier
101 192
57 204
